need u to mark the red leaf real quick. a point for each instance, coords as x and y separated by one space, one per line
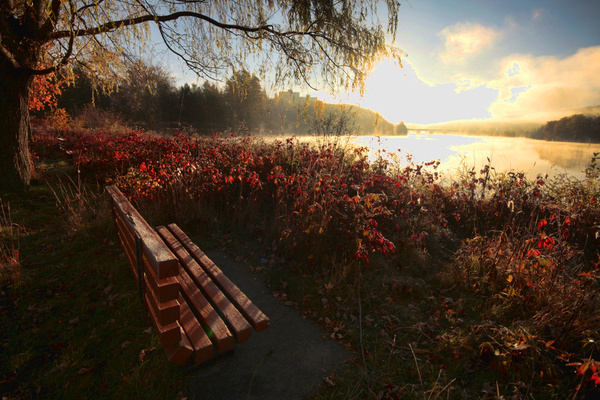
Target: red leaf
541 224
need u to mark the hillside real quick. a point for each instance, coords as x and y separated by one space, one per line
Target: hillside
289 112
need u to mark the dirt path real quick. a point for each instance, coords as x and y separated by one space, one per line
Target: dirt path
287 361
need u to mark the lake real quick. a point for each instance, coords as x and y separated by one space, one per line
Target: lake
533 157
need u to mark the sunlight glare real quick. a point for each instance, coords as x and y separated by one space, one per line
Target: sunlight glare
398 94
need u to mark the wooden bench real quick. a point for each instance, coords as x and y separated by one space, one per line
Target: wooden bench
196 310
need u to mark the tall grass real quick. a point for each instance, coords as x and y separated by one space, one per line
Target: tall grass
10 261
80 205
71 322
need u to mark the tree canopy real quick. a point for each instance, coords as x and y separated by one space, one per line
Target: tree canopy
299 40
313 42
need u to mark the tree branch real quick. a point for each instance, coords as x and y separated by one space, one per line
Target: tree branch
52 20
115 25
65 59
9 56
86 6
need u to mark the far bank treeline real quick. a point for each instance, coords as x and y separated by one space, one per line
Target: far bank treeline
583 126
147 97
576 128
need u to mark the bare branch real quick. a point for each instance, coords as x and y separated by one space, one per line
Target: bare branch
9 56
86 6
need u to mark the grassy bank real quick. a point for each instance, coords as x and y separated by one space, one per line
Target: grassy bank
72 324
487 287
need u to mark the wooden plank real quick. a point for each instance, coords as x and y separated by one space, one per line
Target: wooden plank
169 335
201 344
257 318
212 323
235 320
166 289
181 352
128 253
161 259
167 312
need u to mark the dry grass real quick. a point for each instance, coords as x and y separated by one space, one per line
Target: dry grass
10 263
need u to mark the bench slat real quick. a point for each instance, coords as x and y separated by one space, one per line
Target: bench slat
166 312
169 335
163 262
164 289
256 317
203 347
216 329
234 319
128 253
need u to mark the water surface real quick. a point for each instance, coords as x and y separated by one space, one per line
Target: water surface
458 152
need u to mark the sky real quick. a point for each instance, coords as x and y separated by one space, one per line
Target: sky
497 60
511 60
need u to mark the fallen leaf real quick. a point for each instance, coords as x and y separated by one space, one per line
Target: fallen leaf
329 381
63 367
109 288
487 388
85 371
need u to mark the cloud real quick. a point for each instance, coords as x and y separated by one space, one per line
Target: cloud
538 14
530 85
464 40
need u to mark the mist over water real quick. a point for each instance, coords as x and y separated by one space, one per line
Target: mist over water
458 152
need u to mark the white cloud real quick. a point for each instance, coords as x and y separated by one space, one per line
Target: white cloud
530 85
464 40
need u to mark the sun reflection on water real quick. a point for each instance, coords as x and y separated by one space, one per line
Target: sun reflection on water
457 153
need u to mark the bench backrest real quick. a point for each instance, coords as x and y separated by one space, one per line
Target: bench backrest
152 263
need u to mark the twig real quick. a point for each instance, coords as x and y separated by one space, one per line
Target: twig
417 364
445 387
434 386
256 370
392 350
362 350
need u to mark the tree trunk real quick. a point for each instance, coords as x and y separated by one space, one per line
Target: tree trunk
15 167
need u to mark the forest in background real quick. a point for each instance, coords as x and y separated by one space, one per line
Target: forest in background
582 126
147 97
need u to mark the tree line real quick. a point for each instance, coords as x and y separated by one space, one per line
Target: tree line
575 128
146 96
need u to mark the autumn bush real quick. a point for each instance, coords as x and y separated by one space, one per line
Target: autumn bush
512 264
